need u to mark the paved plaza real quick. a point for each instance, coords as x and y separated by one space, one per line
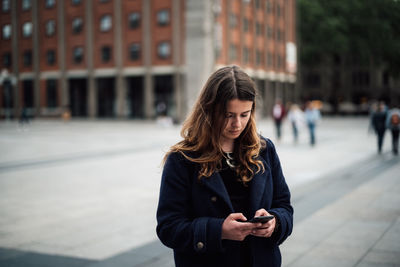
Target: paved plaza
84 193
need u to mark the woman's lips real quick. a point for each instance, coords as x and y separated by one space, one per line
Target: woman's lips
235 132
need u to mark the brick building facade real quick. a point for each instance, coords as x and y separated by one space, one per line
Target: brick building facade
123 58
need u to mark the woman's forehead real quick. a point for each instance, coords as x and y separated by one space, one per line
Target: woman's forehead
238 106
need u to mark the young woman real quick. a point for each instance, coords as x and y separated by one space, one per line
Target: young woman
221 175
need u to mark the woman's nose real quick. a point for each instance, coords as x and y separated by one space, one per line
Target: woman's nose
236 122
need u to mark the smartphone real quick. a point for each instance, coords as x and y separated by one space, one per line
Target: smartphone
261 219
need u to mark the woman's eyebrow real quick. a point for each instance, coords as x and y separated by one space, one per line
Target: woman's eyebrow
230 112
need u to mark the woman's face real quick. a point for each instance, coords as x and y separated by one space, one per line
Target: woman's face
237 116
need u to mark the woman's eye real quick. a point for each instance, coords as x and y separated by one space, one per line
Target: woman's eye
245 115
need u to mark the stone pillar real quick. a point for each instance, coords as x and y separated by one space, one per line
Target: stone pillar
119 79
147 52
179 113
36 58
198 47
61 54
15 58
92 88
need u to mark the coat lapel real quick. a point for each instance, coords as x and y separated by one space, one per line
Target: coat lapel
257 188
257 191
215 184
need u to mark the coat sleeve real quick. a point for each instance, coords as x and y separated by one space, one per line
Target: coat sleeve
177 228
281 206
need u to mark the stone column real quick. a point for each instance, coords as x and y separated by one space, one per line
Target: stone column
147 52
119 79
36 58
199 47
92 88
61 54
16 87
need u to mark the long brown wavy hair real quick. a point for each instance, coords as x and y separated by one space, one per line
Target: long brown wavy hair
202 129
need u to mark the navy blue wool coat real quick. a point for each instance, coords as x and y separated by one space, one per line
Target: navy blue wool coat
191 212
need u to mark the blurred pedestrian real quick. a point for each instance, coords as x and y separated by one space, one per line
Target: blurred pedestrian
278 113
296 118
393 124
24 119
220 175
373 108
312 116
379 124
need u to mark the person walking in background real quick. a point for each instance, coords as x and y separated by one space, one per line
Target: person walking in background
373 108
278 113
312 116
296 118
393 123
220 175
379 124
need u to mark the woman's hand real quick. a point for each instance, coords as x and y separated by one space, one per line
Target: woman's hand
266 229
233 229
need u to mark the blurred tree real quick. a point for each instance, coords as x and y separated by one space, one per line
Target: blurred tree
361 31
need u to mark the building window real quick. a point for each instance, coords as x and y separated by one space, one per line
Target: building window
26 4
246 55
279 35
278 10
279 62
163 17
270 32
27 29
259 28
134 20
78 54
232 52
6 32
270 60
164 50
134 51
245 25
50 3
27 58
51 57
76 2
105 23
50 27
232 20
77 25
268 6
259 57
6 5
51 86
106 53
7 59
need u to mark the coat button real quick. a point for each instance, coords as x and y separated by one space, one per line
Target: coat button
214 199
200 245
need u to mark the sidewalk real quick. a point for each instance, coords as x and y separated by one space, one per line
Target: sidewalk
71 195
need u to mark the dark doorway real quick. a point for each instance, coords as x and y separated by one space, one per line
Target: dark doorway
78 97
163 87
28 94
8 98
105 97
135 96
